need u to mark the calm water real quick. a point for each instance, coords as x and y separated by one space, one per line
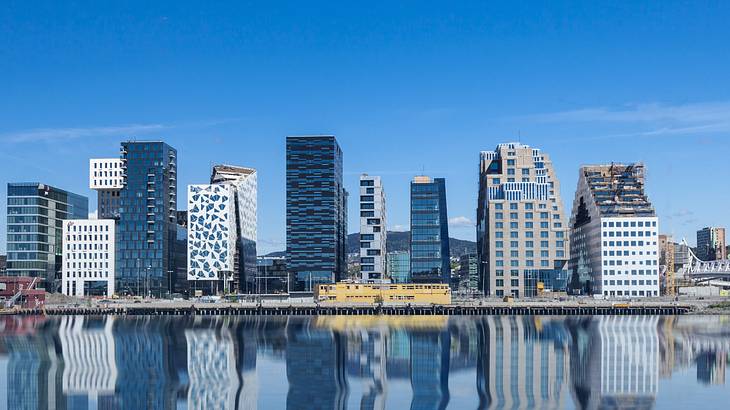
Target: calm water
364 362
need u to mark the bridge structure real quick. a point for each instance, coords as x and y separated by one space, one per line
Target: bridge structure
702 271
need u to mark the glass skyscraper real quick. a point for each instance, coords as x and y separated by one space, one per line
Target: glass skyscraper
316 212
429 231
146 235
35 229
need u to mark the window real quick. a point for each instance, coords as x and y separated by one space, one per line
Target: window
510 162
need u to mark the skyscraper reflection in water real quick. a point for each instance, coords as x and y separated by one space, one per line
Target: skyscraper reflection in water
339 362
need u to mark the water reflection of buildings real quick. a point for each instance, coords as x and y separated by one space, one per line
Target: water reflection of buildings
523 363
315 368
348 362
221 368
615 362
30 376
89 371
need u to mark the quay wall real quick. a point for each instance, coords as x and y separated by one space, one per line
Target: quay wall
333 310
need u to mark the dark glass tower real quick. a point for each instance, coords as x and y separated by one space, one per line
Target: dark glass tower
35 230
316 212
429 231
147 228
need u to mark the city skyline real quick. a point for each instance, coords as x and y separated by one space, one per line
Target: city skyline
421 90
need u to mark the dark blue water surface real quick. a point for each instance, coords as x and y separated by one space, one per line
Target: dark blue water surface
416 362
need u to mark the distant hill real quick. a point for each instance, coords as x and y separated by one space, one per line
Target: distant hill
400 241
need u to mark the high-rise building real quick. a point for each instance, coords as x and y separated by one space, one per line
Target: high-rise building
88 257
399 267
35 230
147 229
522 231
373 232
430 255
316 212
614 237
711 244
106 177
222 229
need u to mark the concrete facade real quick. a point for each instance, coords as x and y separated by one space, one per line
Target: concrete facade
88 257
615 233
522 231
373 232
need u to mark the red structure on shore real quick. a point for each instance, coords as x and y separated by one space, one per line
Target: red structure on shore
21 291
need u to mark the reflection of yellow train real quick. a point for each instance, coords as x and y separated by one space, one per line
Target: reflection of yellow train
344 323
370 293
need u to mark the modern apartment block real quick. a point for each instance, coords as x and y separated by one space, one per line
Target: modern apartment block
316 212
106 177
222 222
35 230
430 255
373 232
522 231
711 245
614 237
399 267
88 257
147 227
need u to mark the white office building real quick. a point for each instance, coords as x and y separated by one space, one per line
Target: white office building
373 231
88 257
222 223
211 231
615 234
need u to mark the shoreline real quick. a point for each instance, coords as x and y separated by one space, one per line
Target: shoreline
281 309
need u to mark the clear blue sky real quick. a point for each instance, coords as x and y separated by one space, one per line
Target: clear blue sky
405 87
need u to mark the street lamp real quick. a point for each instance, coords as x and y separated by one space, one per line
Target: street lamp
139 273
169 274
147 282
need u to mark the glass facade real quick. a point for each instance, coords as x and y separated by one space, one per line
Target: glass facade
399 267
147 232
316 212
35 229
429 231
